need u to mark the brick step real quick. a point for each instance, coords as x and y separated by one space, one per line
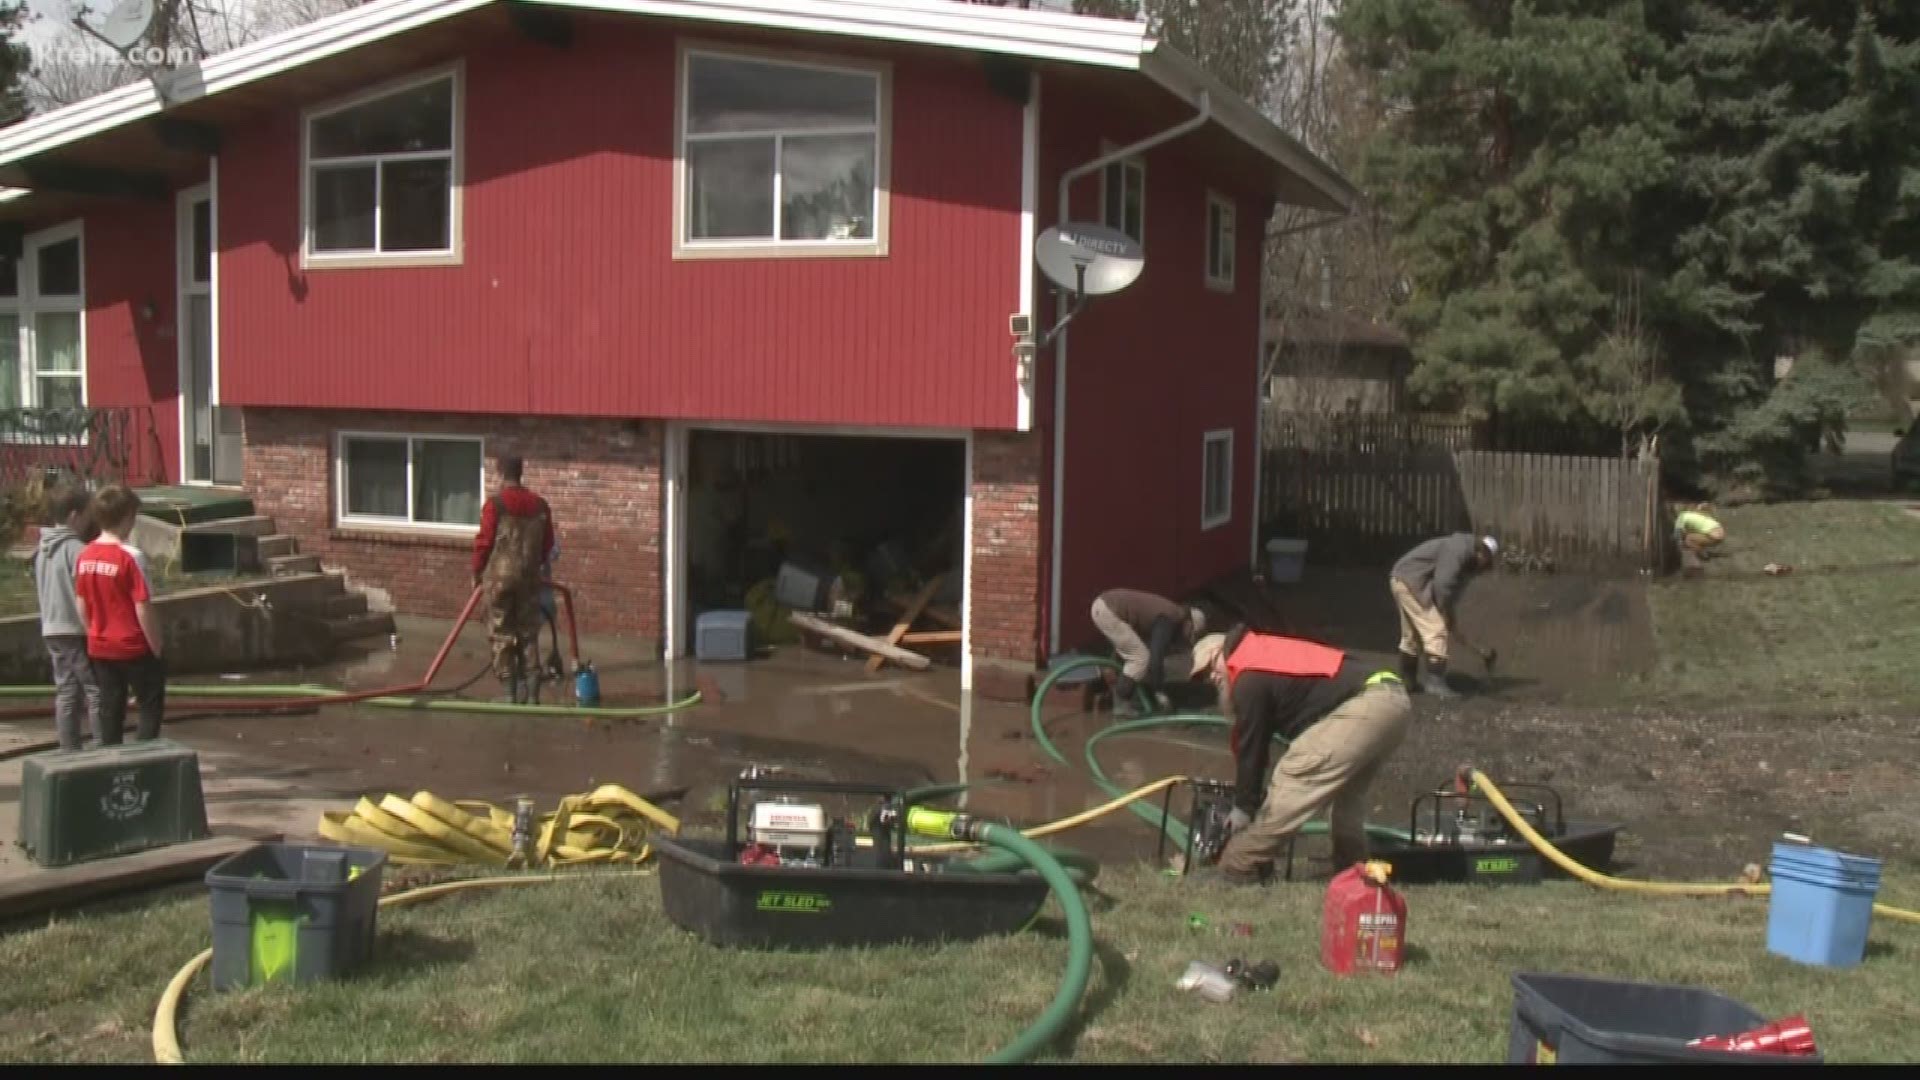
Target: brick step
346 605
293 564
277 544
355 627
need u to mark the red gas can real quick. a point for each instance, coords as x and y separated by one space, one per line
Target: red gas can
1365 924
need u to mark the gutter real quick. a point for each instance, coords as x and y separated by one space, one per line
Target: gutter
1200 119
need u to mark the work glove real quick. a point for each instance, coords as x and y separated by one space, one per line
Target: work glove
1238 820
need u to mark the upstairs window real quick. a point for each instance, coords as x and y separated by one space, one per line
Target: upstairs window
780 157
42 341
1221 236
1123 198
383 176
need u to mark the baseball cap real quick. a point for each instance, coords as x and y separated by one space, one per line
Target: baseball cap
1205 652
1492 545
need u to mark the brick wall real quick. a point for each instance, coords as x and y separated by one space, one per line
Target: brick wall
1005 598
602 478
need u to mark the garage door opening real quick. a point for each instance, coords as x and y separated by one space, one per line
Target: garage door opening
880 517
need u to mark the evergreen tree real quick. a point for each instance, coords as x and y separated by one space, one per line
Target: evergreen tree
15 62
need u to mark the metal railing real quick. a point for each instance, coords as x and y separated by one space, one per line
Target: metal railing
97 444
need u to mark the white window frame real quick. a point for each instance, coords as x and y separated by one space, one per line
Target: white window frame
27 304
775 248
1230 220
406 524
1126 167
1223 436
449 256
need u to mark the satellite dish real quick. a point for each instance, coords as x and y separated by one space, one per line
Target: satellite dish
124 25
1090 259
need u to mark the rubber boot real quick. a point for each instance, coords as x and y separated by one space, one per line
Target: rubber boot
1126 699
1434 680
1410 671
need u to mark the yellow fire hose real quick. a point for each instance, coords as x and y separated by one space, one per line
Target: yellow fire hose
607 825
1595 878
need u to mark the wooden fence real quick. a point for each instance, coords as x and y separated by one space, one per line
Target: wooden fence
1369 432
1370 505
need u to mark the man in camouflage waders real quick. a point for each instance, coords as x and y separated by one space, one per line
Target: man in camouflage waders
515 541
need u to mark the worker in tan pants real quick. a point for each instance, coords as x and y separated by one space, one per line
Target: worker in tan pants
1344 718
1426 585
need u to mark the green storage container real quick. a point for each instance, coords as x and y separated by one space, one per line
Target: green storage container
293 912
77 807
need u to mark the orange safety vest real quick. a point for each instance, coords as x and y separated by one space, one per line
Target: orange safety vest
1284 656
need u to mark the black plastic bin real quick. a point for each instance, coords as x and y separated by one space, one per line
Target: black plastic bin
773 907
293 911
1575 1020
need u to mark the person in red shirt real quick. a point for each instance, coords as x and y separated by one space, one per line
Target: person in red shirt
515 541
114 589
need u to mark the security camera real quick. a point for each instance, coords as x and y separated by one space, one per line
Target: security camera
1020 325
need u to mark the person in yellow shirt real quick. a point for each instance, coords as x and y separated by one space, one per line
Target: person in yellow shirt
1697 532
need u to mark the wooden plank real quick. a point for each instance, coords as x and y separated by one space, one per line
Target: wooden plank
858 640
931 637
909 616
944 616
66 886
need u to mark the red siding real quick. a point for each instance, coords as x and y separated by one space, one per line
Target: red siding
569 302
132 362
1150 370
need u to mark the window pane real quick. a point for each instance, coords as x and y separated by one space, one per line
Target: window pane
826 187
1216 486
730 189
1114 194
59 268
56 344
377 477
9 361
747 95
343 208
420 118
1135 209
415 205
203 241
446 482
59 392
9 276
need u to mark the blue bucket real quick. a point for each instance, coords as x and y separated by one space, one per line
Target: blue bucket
1821 904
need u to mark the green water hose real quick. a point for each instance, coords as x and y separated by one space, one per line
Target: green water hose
265 690
1175 830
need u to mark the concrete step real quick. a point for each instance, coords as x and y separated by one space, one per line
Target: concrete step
355 627
347 605
293 564
278 544
250 525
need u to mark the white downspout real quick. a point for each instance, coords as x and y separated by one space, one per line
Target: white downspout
1205 114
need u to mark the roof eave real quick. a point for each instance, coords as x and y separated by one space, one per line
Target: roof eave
1186 78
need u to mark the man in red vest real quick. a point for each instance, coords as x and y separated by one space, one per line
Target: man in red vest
1343 718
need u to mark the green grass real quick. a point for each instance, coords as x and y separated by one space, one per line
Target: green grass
18 596
1839 630
593 971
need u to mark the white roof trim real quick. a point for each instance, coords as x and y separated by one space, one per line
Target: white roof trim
1077 39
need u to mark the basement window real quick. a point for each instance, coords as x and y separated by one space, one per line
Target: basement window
42 340
780 157
382 176
1216 479
1221 235
1123 198
410 480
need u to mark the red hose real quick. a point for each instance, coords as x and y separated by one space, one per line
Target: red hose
345 697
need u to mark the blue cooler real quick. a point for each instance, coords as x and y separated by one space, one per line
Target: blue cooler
1821 904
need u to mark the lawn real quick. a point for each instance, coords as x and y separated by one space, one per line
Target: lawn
592 971
1838 631
18 597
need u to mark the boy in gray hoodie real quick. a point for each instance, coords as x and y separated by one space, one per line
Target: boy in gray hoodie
76 700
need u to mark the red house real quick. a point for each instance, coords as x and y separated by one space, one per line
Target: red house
716 269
